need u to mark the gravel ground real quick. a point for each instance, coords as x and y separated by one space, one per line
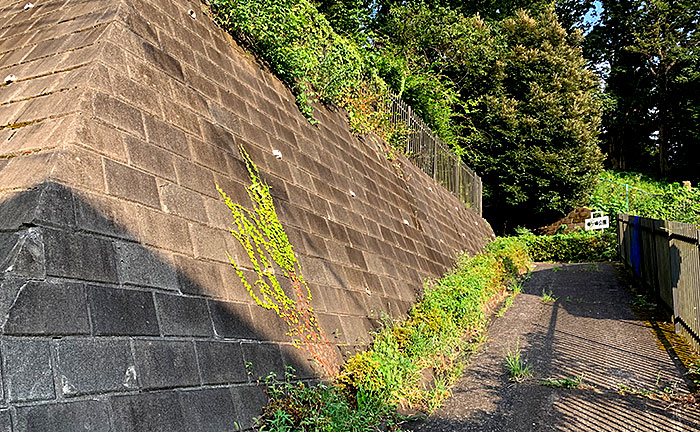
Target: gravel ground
589 330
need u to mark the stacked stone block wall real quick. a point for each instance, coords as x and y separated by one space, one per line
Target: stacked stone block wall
119 310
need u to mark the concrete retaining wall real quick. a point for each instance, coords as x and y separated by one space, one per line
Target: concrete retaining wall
118 308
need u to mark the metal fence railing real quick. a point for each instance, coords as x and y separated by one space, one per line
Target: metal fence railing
435 158
665 255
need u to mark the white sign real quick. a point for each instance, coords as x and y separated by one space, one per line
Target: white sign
597 221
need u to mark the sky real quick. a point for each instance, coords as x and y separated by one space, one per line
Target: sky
593 15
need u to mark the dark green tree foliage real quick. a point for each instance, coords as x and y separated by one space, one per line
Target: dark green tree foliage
535 134
491 10
686 124
571 13
627 123
348 17
651 48
512 96
436 59
667 40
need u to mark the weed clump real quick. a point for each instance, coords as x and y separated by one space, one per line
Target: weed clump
548 297
295 406
567 382
518 369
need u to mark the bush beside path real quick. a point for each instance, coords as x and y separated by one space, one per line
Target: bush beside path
625 374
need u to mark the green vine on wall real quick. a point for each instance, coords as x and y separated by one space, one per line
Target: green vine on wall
317 64
263 237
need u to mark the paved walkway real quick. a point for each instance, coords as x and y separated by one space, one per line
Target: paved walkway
589 330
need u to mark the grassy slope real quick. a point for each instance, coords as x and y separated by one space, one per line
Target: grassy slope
647 197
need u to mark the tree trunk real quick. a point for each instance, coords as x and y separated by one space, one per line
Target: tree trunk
663 150
664 166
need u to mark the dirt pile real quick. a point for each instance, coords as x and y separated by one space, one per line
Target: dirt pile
575 219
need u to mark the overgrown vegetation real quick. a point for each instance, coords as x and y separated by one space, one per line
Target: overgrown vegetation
295 406
314 61
262 236
440 332
646 196
510 93
576 246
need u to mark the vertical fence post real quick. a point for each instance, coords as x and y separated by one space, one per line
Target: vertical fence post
435 164
422 145
457 185
479 189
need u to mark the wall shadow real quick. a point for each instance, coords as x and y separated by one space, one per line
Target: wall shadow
95 321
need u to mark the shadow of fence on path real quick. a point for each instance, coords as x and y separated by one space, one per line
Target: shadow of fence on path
568 339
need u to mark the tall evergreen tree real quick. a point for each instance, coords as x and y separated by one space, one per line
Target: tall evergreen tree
652 49
667 38
536 134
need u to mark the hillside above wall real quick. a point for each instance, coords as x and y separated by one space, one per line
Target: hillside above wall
119 310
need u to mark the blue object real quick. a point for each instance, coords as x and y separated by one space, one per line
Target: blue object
636 246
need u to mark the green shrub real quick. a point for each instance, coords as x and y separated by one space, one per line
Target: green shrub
576 246
447 324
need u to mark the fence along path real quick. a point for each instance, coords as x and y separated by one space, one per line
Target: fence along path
666 256
435 158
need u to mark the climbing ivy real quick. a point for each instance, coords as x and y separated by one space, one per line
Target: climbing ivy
263 237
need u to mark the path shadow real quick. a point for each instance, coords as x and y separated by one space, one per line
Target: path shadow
599 338
586 293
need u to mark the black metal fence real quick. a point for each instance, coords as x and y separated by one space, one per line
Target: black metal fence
666 256
435 158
